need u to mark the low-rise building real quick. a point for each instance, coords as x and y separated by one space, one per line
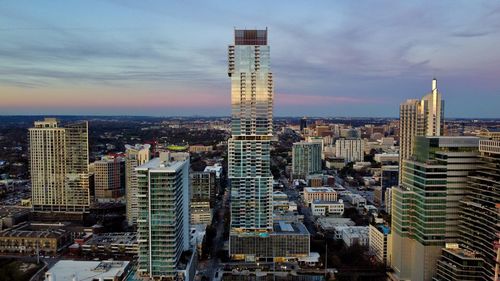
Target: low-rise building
319 193
12 215
112 243
328 224
30 238
200 148
315 180
327 208
88 270
288 241
356 200
379 239
386 158
335 163
355 235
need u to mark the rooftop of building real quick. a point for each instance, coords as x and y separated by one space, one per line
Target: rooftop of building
27 230
121 238
286 227
319 189
331 222
87 270
250 37
355 230
217 168
313 142
161 164
325 202
6 211
355 195
383 228
137 146
280 227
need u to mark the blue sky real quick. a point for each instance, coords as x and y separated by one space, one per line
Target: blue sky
330 58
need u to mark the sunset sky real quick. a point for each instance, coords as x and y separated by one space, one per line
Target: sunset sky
163 58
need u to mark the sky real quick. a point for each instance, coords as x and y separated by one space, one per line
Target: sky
169 58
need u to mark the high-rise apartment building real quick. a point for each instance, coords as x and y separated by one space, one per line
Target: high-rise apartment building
163 221
252 129
423 117
134 157
306 159
59 159
476 256
303 124
425 207
202 197
352 150
254 235
109 178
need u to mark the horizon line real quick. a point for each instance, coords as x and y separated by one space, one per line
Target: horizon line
224 116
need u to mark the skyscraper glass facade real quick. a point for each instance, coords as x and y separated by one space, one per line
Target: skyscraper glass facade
249 147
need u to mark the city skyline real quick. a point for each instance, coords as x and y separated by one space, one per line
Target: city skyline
129 58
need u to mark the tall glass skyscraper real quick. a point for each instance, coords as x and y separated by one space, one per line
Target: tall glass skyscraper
425 207
252 130
163 216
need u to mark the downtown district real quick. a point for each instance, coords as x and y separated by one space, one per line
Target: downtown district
252 197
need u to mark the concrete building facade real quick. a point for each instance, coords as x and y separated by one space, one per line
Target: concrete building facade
423 117
352 150
135 156
319 193
59 159
109 178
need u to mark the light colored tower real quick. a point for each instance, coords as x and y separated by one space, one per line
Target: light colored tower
423 117
351 150
408 122
135 156
252 130
59 161
163 220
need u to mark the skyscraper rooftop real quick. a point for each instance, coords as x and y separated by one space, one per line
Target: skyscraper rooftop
250 37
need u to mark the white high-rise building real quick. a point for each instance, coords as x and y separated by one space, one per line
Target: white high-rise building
423 117
135 156
352 150
59 160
